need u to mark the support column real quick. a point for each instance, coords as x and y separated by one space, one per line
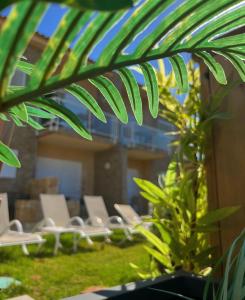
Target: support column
111 176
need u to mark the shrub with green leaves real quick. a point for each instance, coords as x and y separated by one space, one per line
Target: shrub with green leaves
182 222
232 285
196 27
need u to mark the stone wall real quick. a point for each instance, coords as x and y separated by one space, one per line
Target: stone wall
111 176
25 142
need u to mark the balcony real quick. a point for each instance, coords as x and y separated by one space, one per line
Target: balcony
130 135
134 136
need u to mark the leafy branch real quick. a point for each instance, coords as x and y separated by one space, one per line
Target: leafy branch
195 27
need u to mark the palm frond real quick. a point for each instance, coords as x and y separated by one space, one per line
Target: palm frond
83 4
195 27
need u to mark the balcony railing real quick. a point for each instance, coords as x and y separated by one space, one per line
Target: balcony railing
130 135
134 136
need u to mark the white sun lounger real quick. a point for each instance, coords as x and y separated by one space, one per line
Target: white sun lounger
98 216
130 216
10 237
57 221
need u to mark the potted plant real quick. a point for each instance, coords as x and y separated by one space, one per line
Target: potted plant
186 286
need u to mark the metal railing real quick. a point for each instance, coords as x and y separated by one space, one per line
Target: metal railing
130 135
144 136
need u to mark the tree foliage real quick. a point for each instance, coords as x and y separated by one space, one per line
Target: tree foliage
179 238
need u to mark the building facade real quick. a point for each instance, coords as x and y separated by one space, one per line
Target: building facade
105 166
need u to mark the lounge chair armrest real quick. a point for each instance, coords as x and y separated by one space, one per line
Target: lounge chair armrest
16 224
76 220
48 222
115 219
43 223
146 216
89 221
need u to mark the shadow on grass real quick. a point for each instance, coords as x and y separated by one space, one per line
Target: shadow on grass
6 255
118 240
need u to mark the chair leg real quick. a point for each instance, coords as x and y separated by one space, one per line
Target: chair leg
39 247
89 241
57 243
128 234
107 238
75 242
24 249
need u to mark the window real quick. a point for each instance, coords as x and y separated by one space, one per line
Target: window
19 78
7 171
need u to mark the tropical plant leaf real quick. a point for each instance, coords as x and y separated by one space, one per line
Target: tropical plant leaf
232 283
24 66
236 62
180 73
133 91
22 21
84 4
3 117
163 259
16 120
154 240
63 113
150 198
217 215
87 100
165 235
143 16
93 33
20 111
215 68
149 187
34 124
151 88
8 156
177 19
112 96
38 113
57 46
193 27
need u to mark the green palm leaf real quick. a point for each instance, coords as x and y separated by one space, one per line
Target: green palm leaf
133 91
236 62
83 4
20 112
180 73
87 99
34 124
214 67
194 27
151 88
57 46
22 21
8 157
112 96
63 113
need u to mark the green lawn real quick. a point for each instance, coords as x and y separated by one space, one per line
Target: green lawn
44 276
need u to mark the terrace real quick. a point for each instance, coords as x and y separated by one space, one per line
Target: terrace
130 135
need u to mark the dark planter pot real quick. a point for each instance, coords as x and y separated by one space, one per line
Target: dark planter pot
158 289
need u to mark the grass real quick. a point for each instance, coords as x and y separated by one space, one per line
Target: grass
45 277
